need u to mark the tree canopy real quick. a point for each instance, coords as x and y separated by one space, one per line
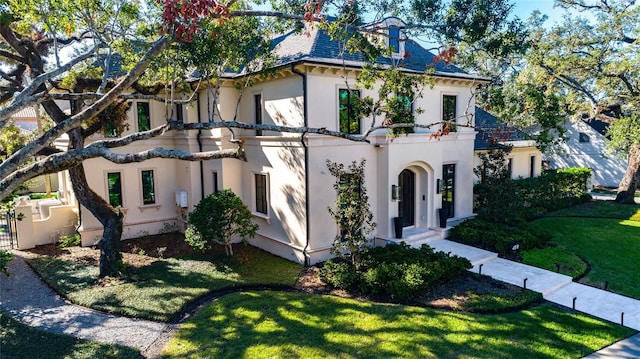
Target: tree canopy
98 54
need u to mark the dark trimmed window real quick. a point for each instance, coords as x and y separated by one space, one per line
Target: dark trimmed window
510 167
215 182
349 111
448 188
257 105
394 39
179 113
148 187
584 138
110 129
449 108
114 188
532 166
144 116
261 193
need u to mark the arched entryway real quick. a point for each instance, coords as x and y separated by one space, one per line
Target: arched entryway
407 200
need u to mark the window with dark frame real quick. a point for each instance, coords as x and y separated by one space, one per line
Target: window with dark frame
348 111
394 39
510 167
114 188
448 188
261 193
449 108
257 105
144 116
215 182
179 113
584 138
148 187
532 166
110 129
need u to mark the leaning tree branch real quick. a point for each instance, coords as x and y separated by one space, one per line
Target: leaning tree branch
15 106
66 160
75 121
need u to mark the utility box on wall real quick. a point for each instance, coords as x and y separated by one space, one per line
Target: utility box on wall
181 198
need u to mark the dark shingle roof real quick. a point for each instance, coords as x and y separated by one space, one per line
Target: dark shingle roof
317 46
492 130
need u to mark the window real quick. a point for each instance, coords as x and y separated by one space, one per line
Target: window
215 181
257 106
114 188
148 187
144 116
179 114
449 108
532 166
448 188
584 138
110 129
394 39
349 111
510 167
261 193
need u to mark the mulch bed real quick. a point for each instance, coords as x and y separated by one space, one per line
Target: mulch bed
143 251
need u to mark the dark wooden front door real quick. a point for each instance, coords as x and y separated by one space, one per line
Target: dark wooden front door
407 204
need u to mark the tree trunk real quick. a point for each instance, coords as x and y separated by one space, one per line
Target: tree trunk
629 183
110 218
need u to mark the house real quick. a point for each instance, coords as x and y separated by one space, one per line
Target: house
524 160
585 146
285 181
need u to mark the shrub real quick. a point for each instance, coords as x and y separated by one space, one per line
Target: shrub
69 240
396 270
5 258
219 218
499 237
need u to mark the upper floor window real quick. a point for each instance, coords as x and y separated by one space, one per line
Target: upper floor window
148 187
584 138
394 39
532 166
114 188
144 116
449 108
349 111
179 115
257 107
110 129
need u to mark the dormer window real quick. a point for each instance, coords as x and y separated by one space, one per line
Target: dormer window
394 39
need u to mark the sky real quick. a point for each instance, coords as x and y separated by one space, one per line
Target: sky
524 8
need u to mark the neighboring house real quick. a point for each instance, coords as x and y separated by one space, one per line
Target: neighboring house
586 147
524 160
285 181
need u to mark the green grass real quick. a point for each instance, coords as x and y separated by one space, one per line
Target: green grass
547 258
500 302
20 341
162 289
295 325
601 209
611 246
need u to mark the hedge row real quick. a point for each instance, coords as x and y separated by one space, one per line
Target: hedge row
506 201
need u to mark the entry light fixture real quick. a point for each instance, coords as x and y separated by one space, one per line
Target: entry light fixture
395 192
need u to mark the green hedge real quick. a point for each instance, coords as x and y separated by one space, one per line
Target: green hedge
508 201
396 270
498 237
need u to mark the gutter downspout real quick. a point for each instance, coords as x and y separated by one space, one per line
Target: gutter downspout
199 138
307 258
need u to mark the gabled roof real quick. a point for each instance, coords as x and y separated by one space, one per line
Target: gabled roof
492 130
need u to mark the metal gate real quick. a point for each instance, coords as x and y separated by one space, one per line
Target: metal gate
8 230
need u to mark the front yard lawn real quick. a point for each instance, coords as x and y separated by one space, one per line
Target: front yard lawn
605 234
20 341
160 290
269 324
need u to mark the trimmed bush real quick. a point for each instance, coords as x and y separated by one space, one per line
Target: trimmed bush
498 237
396 270
69 240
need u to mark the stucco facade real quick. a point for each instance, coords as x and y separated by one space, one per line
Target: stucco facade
285 180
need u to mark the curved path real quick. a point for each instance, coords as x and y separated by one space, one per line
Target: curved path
26 298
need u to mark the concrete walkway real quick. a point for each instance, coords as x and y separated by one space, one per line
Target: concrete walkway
26 298
556 288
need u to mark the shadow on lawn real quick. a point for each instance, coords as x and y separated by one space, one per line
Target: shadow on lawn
295 325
